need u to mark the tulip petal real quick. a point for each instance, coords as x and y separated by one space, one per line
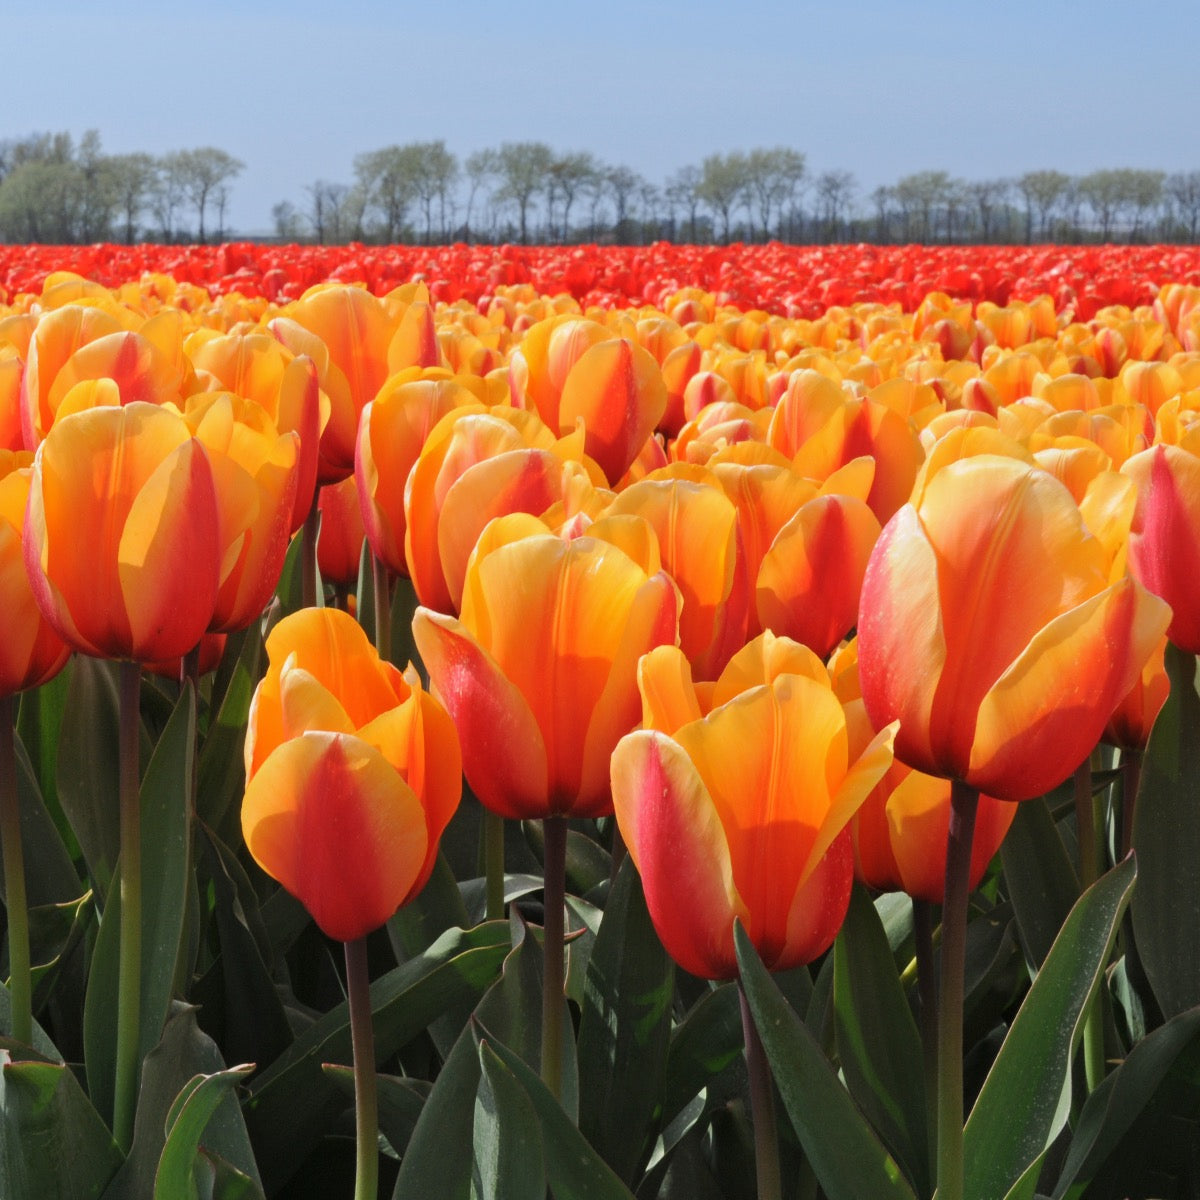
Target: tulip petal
668 694
819 906
504 753
678 843
1047 711
330 819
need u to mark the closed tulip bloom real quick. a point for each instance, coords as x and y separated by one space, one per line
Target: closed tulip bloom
31 652
122 533
352 774
1164 540
743 812
340 542
540 673
990 628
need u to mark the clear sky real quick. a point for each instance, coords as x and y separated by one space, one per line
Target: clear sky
297 89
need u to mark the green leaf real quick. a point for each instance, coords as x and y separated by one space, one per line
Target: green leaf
50 875
703 1046
221 773
1166 837
401 1102
88 772
624 1028
1134 1119
507 1141
42 1044
846 1155
588 863
292 1102
878 1043
186 1123
573 1168
165 872
447 1120
1039 878
1026 1097
183 1053
55 1145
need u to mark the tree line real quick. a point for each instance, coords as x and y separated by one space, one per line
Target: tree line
54 190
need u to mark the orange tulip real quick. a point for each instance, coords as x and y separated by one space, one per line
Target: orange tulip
352 773
340 542
990 628
123 533
743 812
31 652
540 674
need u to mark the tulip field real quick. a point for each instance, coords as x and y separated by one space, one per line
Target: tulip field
678 722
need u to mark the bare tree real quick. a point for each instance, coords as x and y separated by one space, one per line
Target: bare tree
771 180
623 184
522 168
1041 191
133 180
481 166
167 194
1183 191
684 189
289 223
326 215
385 179
201 172
834 190
921 196
988 196
570 175
722 186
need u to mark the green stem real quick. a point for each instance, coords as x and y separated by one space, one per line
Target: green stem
130 963
383 608
308 554
366 1101
493 863
964 800
20 985
1131 777
554 889
1089 871
762 1107
927 991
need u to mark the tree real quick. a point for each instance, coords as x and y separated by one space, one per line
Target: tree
522 168
133 181
481 166
623 184
722 186
569 176
988 196
388 187
435 172
325 210
166 194
1144 191
201 172
289 223
835 190
920 197
1041 190
771 180
1183 191
683 189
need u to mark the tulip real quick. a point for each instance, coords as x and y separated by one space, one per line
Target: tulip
340 542
744 812
1002 687
352 774
122 533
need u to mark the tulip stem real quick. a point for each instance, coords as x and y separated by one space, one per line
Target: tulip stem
366 1101
762 1107
927 991
129 985
554 831
493 863
308 554
964 800
1089 872
383 608
1131 778
20 986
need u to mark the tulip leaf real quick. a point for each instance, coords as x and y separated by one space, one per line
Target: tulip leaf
1166 837
39 727
847 1157
447 1120
186 1123
1138 1131
53 1143
222 773
878 1044
42 1045
291 1101
164 877
574 1170
1026 1097
184 1052
240 1003
87 771
1039 878
702 1048
401 1102
507 1138
624 1028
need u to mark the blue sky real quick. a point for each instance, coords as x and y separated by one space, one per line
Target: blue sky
297 89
